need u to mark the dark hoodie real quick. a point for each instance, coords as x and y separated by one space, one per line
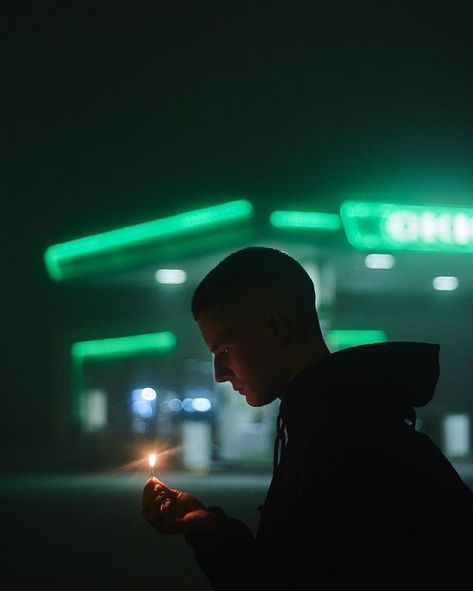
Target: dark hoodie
358 496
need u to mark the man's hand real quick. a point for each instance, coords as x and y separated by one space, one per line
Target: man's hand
172 511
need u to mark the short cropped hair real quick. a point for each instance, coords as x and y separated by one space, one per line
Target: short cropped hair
260 269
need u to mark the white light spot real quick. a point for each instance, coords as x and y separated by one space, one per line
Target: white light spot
148 394
171 276
379 261
443 283
201 404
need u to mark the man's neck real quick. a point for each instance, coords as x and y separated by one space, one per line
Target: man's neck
306 357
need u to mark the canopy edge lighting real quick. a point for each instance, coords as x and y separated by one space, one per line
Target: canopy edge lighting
310 220
57 256
158 342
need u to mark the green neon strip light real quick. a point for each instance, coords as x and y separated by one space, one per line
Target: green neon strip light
408 227
109 243
310 220
159 342
341 339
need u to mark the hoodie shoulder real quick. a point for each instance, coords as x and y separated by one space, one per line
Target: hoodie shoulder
382 379
407 372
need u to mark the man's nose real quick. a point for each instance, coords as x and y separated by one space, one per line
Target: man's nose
221 371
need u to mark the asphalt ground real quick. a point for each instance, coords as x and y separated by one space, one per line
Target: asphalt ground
86 531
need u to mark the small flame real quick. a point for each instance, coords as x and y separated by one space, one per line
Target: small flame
152 460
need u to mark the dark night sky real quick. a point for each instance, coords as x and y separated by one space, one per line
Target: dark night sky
117 111
118 114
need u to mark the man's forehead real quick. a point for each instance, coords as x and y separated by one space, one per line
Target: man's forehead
241 306
227 319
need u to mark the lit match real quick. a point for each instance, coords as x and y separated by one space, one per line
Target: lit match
152 463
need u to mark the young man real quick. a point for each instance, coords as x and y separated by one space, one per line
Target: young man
357 495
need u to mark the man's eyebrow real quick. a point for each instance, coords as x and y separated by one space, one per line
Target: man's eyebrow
216 345
213 346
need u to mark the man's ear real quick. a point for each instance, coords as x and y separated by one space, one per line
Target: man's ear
280 328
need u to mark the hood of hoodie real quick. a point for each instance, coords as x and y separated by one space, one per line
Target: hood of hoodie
379 380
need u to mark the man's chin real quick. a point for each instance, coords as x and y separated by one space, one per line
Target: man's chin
249 399
256 402
253 403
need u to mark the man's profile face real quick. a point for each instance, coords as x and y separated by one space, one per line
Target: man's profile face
246 353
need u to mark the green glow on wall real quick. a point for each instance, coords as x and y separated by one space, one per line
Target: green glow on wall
111 243
157 343
310 220
388 226
341 339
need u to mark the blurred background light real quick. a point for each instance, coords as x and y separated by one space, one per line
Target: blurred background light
201 404
187 405
379 261
95 412
124 346
306 220
456 433
445 283
408 227
175 405
66 259
342 339
159 343
142 408
171 276
148 394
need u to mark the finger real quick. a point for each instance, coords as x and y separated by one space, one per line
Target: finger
160 503
152 482
164 505
161 487
152 509
149 507
160 496
166 511
148 490
152 485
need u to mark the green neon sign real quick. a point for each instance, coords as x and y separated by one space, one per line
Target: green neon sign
308 220
341 339
60 259
159 343
388 226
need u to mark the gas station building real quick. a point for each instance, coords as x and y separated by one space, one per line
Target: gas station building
132 373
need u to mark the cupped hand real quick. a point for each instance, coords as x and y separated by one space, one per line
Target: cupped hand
173 511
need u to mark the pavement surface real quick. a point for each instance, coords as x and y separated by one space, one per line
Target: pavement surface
86 531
